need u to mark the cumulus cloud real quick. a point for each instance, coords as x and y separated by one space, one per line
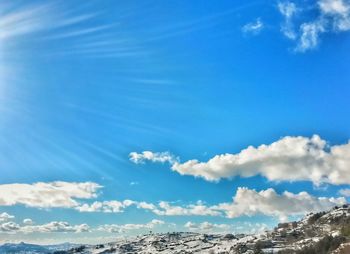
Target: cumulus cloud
288 159
246 202
249 202
267 202
328 16
115 228
7 225
47 195
253 27
6 217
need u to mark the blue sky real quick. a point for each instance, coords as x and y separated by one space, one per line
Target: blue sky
85 85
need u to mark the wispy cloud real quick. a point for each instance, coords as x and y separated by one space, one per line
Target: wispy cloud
288 10
253 27
151 156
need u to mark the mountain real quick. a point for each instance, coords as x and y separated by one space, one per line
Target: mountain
26 248
317 233
22 248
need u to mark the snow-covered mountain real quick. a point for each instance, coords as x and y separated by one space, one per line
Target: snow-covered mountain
317 233
26 248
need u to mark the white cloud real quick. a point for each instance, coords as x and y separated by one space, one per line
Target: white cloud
288 159
115 228
267 202
163 208
134 183
208 227
55 227
288 10
310 33
28 221
338 7
238 227
166 209
345 192
11 227
249 202
113 206
151 156
6 223
6 217
253 27
47 195
337 12
328 16
246 202
24 21
146 206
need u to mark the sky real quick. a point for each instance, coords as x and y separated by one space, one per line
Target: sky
118 118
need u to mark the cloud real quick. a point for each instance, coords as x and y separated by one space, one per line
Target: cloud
288 10
24 21
6 217
208 227
287 159
11 227
337 12
28 221
334 7
254 27
328 16
163 208
246 202
47 195
166 209
310 33
113 206
267 202
55 227
115 228
133 183
345 192
151 156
